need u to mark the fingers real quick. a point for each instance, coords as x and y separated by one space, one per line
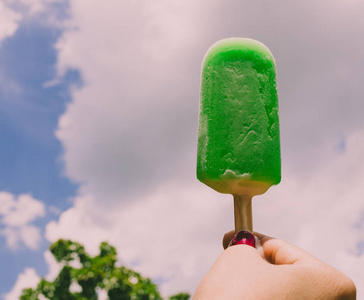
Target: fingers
276 251
279 252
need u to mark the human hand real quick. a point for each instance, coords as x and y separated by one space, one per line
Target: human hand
287 272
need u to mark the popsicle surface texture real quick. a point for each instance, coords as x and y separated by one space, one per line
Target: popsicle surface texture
238 139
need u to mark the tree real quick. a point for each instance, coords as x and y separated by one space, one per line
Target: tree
181 296
93 275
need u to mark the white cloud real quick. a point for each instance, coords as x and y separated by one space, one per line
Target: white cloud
75 287
30 236
158 235
53 266
7 203
34 6
11 236
12 12
129 134
24 210
31 8
9 20
27 279
125 82
175 232
30 279
17 214
321 214
102 295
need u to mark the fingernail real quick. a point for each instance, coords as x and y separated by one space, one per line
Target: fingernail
243 238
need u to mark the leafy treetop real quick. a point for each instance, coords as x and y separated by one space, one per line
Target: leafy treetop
94 274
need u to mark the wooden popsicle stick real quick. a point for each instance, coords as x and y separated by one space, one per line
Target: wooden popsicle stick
243 213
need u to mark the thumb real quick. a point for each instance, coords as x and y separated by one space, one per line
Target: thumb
276 251
279 252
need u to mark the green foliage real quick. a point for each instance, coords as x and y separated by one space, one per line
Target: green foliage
94 274
181 296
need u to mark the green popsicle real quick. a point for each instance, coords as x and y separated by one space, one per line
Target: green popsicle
238 144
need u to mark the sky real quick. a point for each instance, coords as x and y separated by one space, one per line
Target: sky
98 133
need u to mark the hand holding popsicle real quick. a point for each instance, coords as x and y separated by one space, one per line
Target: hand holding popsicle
239 154
287 272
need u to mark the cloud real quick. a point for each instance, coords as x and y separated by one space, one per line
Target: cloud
30 279
31 8
324 213
35 6
174 233
17 214
53 266
27 279
133 110
9 20
21 211
129 134
12 12
137 110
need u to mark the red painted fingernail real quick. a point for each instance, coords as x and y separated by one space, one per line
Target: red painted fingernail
243 238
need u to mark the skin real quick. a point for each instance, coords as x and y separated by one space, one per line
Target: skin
287 272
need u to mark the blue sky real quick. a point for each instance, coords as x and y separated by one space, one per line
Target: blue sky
98 120
29 116
29 150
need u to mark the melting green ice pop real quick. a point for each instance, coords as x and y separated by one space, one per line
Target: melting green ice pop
238 141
